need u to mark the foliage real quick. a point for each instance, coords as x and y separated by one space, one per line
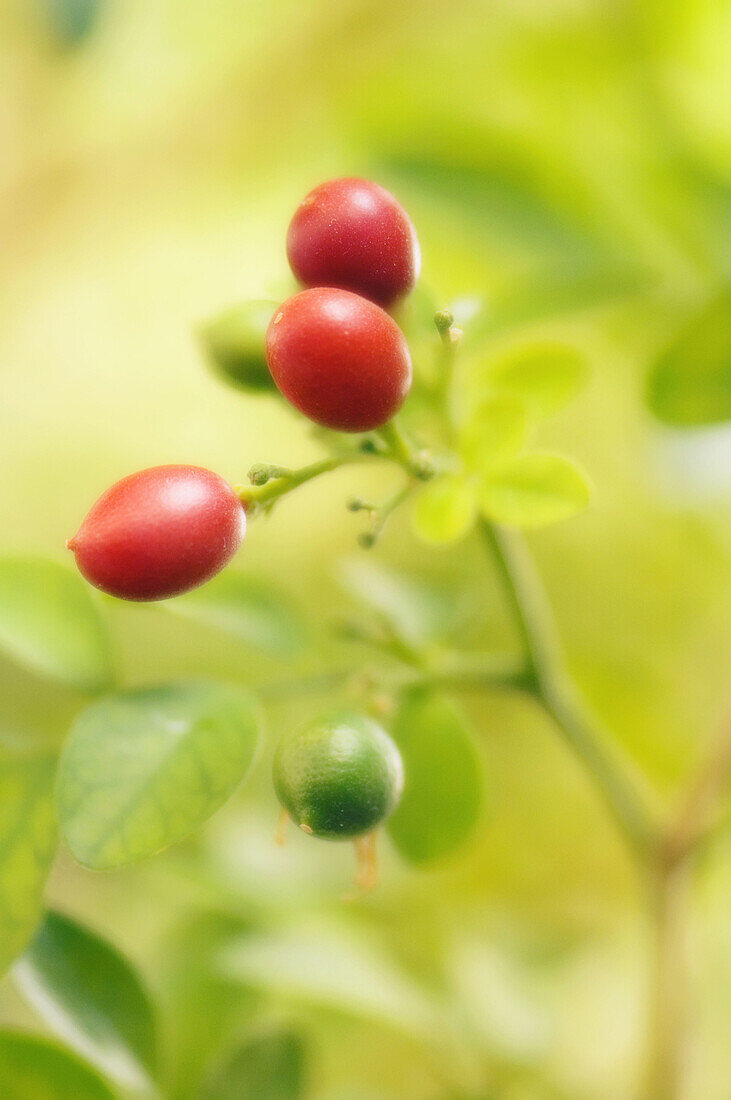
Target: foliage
443 789
567 169
690 383
91 997
27 841
50 622
267 1067
143 769
33 1068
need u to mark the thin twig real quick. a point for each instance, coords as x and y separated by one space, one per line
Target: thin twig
494 672
695 820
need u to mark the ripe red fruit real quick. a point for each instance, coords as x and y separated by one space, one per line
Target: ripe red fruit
159 532
353 234
339 359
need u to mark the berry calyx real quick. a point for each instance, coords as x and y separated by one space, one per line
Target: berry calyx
340 777
339 359
159 533
353 234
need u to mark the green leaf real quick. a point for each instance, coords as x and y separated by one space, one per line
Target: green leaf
499 201
143 769
268 1067
91 997
27 843
247 607
186 969
233 342
50 622
544 375
324 963
72 21
499 997
34 1069
535 489
495 430
690 383
416 612
445 509
443 788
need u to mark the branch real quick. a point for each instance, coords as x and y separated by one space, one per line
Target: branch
492 672
695 821
270 482
546 680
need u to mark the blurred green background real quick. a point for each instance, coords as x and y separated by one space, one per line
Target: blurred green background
567 164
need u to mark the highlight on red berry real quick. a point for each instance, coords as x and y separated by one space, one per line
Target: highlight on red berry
159 533
353 234
339 359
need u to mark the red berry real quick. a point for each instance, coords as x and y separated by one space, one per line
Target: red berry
339 359
159 532
352 234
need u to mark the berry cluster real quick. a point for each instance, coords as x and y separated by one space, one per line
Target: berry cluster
332 352
335 355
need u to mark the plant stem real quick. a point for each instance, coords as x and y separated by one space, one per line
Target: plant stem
399 449
695 820
451 338
610 776
527 601
379 516
284 481
668 986
665 859
396 442
495 672
548 683
276 481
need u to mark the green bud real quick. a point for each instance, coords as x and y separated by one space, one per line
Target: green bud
423 468
233 343
367 539
444 320
260 473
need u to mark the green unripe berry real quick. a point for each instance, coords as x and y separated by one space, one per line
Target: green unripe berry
233 342
339 777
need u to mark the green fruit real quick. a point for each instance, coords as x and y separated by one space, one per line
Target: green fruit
234 345
340 777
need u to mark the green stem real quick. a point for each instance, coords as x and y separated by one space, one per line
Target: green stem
526 598
400 450
380 515
284 481
273 482
591 746
548 683
670 885
668 983
396 442
493 672
664 858
451 338
696 821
